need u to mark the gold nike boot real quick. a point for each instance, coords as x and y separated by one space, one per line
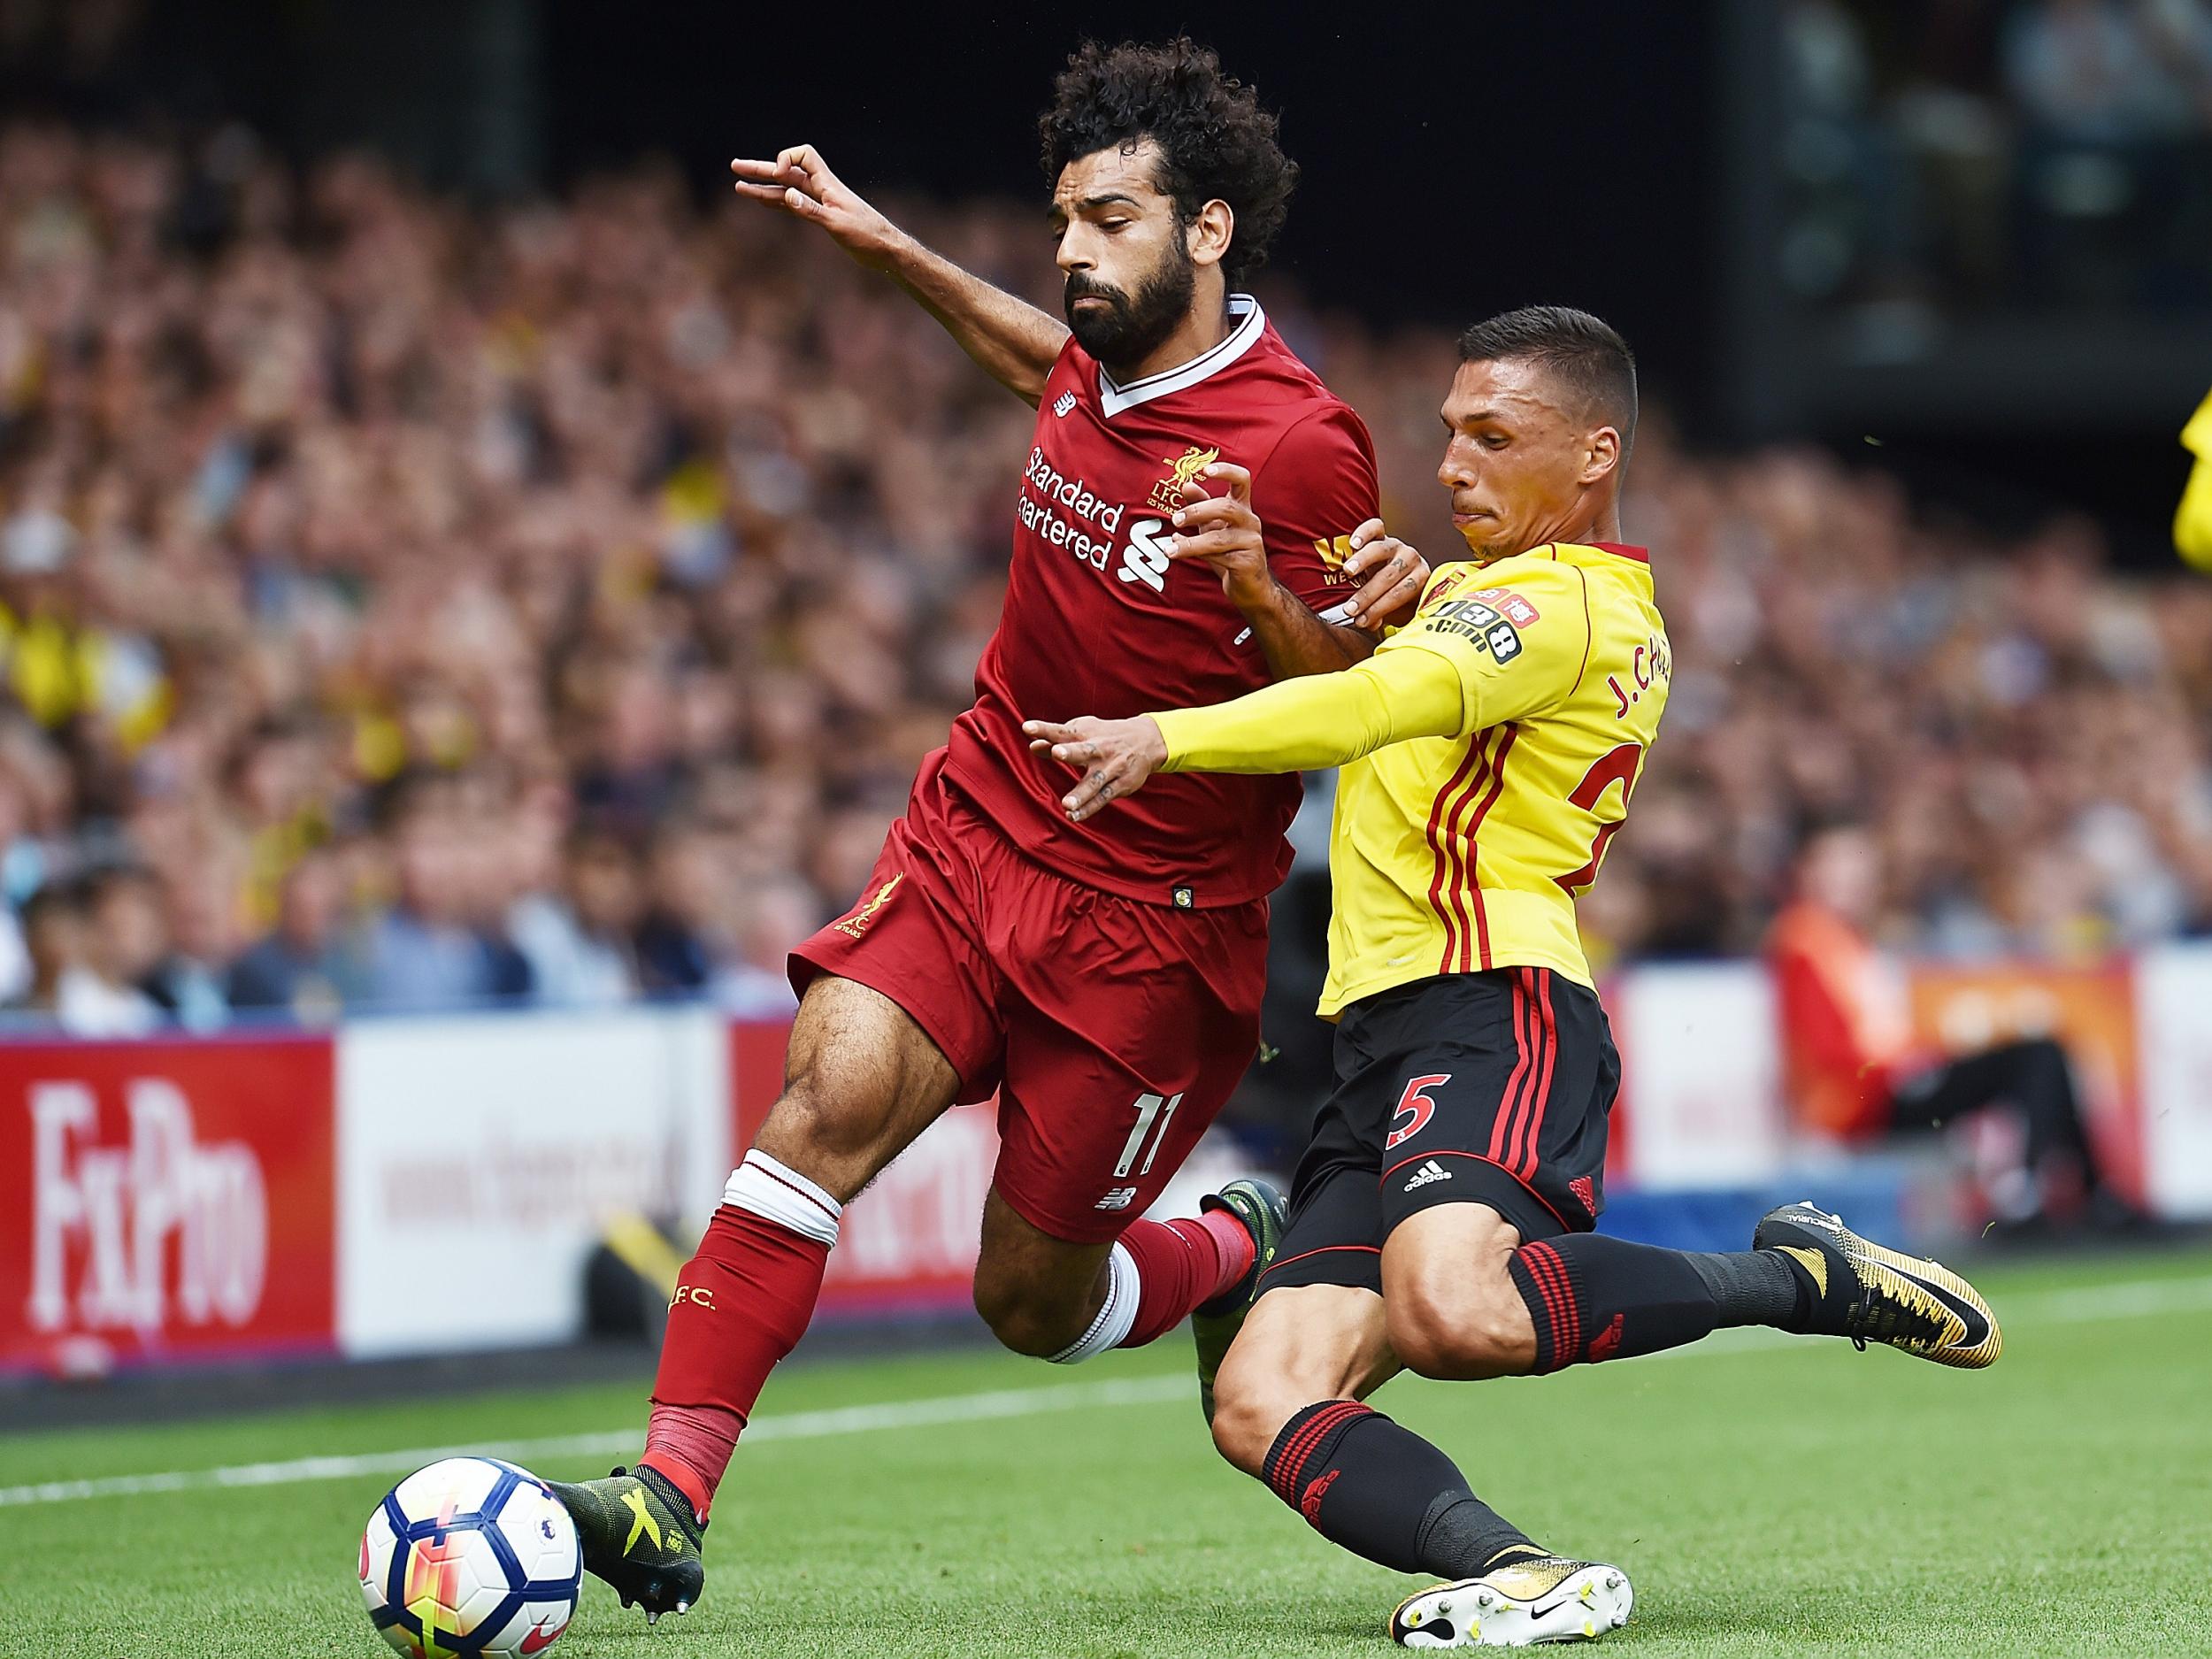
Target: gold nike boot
1871 1293
1546 1598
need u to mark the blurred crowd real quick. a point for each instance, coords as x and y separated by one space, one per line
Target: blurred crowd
405 605
1958 153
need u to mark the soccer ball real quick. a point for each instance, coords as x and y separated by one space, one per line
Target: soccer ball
471 1557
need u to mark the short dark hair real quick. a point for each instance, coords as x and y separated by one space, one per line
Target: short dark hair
1584 351
1216 142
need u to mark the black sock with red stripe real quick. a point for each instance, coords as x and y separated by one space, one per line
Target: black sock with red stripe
1382 1491
1592 1298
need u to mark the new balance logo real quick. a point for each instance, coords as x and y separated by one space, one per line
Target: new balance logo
1120 1198
1428 1174
1063 403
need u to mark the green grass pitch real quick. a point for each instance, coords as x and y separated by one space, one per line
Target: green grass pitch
1766 1496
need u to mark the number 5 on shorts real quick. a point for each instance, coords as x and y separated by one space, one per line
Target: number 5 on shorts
1150 1109
1415 1109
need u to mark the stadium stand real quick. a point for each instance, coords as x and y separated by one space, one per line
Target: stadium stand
405 603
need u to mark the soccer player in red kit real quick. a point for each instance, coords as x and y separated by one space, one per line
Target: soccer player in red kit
1103 980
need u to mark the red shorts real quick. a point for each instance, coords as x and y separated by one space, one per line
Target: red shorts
1113 1031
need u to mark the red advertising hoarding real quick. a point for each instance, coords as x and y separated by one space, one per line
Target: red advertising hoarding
165 1200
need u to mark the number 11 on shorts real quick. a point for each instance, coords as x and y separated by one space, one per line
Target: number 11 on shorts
1151 1108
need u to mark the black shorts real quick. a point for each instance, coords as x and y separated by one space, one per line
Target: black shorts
1488 1088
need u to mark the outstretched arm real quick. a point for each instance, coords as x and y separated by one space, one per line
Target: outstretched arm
1464 664
1014 341
1299 725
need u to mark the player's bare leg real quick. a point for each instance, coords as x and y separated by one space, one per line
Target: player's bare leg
1038 1294
1299 1344
1457 1317
1066 1301
861 1081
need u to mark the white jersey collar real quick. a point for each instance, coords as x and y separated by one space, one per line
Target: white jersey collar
1251 322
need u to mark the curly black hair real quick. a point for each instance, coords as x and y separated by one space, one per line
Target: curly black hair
1216 142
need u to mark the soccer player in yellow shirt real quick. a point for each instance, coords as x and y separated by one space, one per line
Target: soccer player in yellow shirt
1441 1219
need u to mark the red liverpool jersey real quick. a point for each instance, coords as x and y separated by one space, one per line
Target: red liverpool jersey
1098 620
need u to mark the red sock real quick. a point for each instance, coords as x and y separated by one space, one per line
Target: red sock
1182 1264
684 1441
741 1303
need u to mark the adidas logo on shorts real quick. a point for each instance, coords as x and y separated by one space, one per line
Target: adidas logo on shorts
1428 1174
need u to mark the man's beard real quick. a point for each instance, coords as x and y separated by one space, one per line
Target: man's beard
1130 328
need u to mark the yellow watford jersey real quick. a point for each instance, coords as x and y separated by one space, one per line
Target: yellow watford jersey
1464 852
1489 749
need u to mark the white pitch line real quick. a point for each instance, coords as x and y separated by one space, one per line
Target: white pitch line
2084 1305
794 1426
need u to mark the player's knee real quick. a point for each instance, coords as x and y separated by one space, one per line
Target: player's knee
1463 1332
832 1142
1026 1320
